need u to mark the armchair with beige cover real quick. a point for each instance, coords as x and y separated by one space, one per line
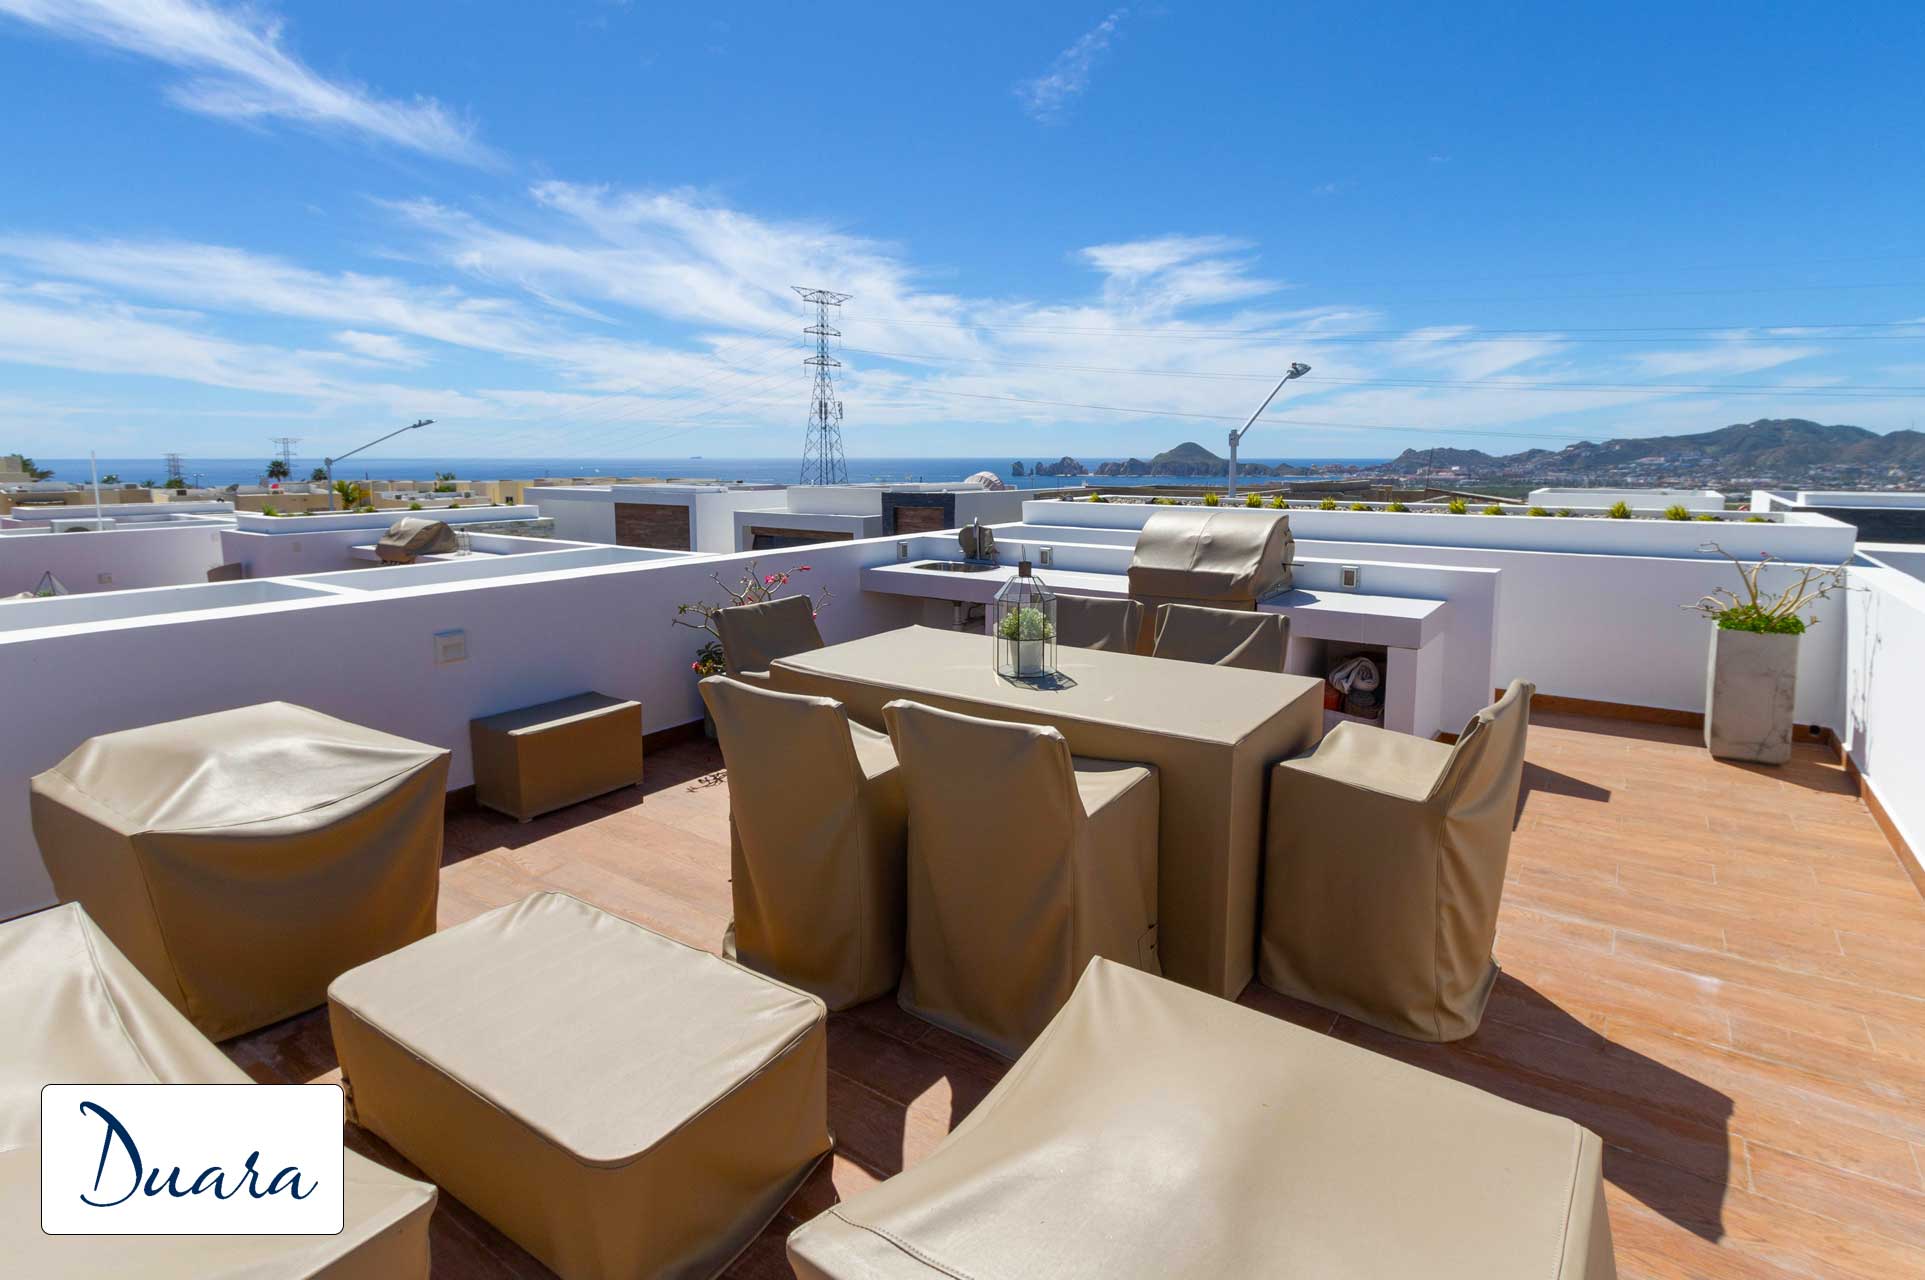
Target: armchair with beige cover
755 635
816 831
1221 637
1024 862
1383 870
1097 622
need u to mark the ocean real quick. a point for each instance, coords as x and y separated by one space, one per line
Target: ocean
221 472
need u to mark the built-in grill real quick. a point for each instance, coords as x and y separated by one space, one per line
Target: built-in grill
413 536
1223 559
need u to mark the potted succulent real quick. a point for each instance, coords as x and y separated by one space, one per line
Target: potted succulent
1751 675
1029 627
754 587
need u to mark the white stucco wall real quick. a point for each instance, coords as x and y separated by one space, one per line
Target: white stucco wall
1885 689
156 556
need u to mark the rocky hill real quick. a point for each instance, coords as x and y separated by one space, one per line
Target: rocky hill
1187 459
1767 446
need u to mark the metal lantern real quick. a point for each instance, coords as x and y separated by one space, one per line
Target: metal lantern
1022 623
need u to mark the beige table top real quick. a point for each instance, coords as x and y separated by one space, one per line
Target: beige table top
1174 699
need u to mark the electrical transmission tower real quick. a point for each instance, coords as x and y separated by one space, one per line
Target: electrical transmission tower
173 461
822 460
284 447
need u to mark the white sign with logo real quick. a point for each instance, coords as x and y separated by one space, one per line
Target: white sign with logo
191 1159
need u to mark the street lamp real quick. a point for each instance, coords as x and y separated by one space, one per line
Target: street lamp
327 464
1297 370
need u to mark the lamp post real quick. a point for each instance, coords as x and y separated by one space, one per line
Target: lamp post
327 464
1297 370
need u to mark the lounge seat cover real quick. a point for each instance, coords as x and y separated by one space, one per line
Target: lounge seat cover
1095 622
617 1103
243 859
1221 637
74 1011
1024 862
414 536
1155 1131
1208 555
1384 869
755 635
816 831
534 760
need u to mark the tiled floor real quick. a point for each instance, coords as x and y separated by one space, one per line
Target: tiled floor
1718 969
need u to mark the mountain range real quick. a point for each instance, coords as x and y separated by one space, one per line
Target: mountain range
1764 447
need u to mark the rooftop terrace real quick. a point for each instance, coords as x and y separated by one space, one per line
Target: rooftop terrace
1716 968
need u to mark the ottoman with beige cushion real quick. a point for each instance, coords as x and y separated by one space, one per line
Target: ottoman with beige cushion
243 859
1156 1131
534 760
74 1011
615 1102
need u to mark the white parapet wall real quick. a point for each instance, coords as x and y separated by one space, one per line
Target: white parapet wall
364 653
1692 500
1885 693
111 559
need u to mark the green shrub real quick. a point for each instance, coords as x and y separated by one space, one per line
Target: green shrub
1395 506
1494 509
1620 510
1456 507
414 506
267 510
1253 500
1277 503
1566 512
1328 504
1097 497
1210 499
1677 511
1163 502
1751 617
1360 506
1756 520
1706 516
1537 511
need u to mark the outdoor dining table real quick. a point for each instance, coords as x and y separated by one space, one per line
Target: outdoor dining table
1212 732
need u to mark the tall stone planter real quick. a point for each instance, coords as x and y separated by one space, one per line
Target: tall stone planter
1751 685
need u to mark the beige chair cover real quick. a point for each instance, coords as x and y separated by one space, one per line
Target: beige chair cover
1226 556
816 835
413 536
1153 1131
74 1011
1221 637
1094 622
537 759
233 571
754 635
1384 868
243 859
1024 862
617 1103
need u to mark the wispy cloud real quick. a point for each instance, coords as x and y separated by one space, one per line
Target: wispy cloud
1068 76
240 69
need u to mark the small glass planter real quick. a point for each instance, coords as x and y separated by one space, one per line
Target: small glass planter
1022 623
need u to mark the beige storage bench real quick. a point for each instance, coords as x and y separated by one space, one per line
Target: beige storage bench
618 1104
537 759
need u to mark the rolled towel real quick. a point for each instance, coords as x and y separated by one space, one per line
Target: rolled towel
1356 675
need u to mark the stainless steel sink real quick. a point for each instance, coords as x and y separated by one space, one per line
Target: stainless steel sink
955 566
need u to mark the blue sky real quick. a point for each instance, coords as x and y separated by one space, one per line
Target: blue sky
571 227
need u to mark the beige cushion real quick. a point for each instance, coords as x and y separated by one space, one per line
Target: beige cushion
243 859
1155 1131
617 1103
537 759
755 635
816 842
75 1011
1384 868
1221 637
1093 622
1024 862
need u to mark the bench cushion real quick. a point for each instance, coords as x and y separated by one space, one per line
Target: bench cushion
537 759
616 1102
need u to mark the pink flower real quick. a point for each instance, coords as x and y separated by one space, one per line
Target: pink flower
694 666
769 581
802 568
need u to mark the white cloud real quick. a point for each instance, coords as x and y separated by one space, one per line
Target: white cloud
239 69
1069 75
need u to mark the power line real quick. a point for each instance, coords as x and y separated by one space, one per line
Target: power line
1447 333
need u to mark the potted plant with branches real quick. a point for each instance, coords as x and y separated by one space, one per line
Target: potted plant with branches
754 587
1751 677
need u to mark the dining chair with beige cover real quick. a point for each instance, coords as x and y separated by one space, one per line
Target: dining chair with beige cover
1383 869
1254 641
1153 1131
755 635
1024 862
1097 622
816 831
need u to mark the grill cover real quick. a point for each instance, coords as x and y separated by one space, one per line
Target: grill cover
413 536
1230 559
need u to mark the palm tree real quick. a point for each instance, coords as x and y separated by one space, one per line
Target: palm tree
348 492
35 472
277 469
